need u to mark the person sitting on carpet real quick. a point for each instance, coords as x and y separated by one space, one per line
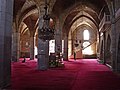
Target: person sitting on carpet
24 60
74 56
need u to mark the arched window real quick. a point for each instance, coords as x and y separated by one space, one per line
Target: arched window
86 44
86 35
51 46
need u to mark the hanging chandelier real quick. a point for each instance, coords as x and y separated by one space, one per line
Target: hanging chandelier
46 32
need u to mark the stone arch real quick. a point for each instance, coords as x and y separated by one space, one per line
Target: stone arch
23 14
109 6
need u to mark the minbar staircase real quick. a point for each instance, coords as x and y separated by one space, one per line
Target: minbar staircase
79 54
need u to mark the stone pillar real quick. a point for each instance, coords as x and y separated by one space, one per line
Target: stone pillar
118 54
65 56
43 50
58 41
98 45
32 44
104 49
6 16
15 46
113 39
43 54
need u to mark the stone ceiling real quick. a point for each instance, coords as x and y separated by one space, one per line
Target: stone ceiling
76 10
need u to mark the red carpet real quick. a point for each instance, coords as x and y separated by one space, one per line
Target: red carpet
83 74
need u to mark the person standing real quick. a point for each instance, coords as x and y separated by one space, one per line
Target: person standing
74 56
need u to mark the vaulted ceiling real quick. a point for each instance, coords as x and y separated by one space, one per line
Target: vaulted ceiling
79 12
89 11
62 5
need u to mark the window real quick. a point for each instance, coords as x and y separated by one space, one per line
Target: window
86 35
51 46
36 50
87 49
86 44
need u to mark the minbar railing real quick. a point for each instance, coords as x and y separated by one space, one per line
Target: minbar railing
105 20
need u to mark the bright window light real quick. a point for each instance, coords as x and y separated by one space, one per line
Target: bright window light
86 35
51 46
87 49
36 50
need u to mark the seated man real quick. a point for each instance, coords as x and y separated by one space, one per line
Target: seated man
24 60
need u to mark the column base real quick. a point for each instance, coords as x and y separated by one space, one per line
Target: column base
31 58
14 59
42 68
5 87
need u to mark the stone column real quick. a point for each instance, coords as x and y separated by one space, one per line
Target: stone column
104 49
58 41
65 57
6 16
43 54
98 45
32 44
113 39
43 50
118 54
15 46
